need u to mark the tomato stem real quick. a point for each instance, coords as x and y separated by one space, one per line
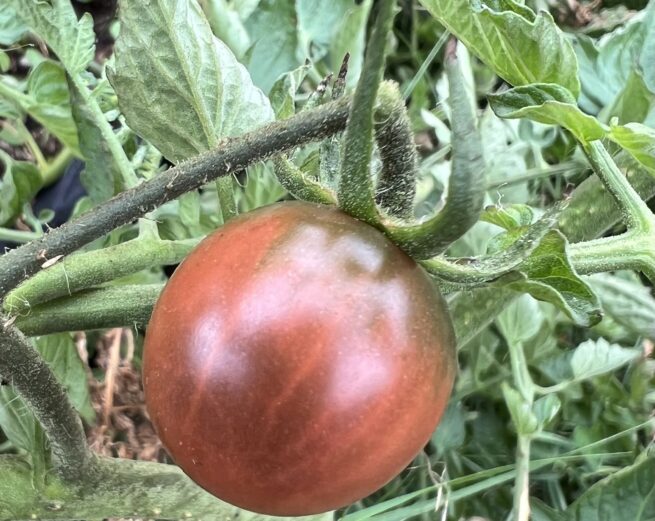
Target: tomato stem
226 202
97 308
396 187
234 154
111 140
525 386
636 213
84 270
355 192
33 380
466 188
592 211
300 185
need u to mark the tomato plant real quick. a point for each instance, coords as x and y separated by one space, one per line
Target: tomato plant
294 345
301 354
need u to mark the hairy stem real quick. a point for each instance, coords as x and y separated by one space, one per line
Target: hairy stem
120 489
396 187
84 270
299 185
98 308
226 201
355 191
521 511
30 376
233 155
635 211
632 250
111 141
592 211
466 188
525 386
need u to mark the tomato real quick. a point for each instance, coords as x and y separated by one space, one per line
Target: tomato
297 360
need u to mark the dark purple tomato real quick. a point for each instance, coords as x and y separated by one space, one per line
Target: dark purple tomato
297 360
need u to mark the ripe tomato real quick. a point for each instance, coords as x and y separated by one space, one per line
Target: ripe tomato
297 360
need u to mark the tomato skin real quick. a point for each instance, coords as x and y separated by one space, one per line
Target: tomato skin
297 360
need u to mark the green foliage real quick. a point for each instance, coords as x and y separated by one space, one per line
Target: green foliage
549 104
187 80
17 421
282 34
610 67
629 494
72 40
47 100
101 176
187 74
20 182
520 46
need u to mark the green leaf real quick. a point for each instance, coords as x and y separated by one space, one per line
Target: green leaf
524 420
451 432
647 55
350 38
634 102
626 494
189 209
589 359
626 300
275 42
226 24
20 183
546 408
49 102
521 47
607 65
5 62
473 311
508 217
19 424
262 188
549 104
541 512
318 22
60 353
521 320
283 92
72 40
638 140
12 28
100 177
178 86
551 278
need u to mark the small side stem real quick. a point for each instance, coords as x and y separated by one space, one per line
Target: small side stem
355 192
234 155
525 386
31 377
56 167
112 142
83 270
99 308
521 510
32 145
635 211
396 187
18 236
629 251
226 201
